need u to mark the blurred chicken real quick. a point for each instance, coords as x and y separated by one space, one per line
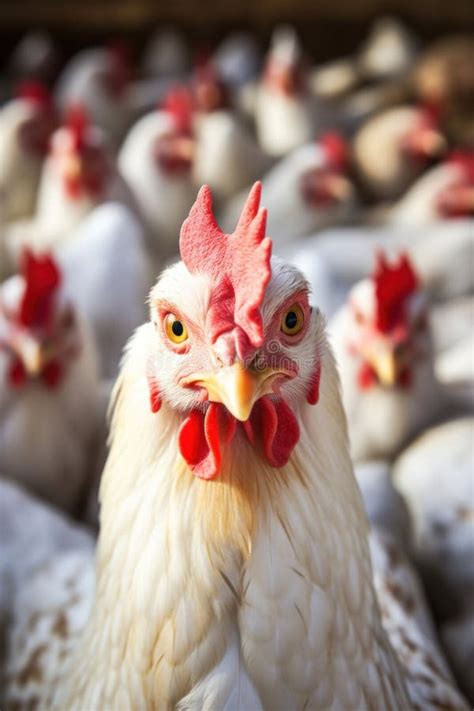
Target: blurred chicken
228 158
283 107
408 138
444 192
78 174
306 191
26 124
98 80
268 578
107 269
156 160
383 346
48 386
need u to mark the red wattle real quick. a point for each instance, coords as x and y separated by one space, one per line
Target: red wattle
199 439
276 424
17 374
52 374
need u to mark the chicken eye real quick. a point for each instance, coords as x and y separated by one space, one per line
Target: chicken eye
175 329
293 320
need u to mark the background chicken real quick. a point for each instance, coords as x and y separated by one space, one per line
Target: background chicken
383 345
78 174
156 160
49 415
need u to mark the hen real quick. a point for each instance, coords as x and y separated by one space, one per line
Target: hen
48 385
383 345
156 160
233 566
78 174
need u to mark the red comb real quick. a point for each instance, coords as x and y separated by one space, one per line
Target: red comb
42 278
336 149
237 264
393 285
179 103
77 121
465 160
36 92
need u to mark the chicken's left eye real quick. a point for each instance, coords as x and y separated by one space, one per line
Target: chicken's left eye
293 320
175 329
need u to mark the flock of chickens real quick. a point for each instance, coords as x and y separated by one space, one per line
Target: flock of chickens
234 567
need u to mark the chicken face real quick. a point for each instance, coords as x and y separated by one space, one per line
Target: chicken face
38 331
80 157
388 327
327 185
174 149
238 347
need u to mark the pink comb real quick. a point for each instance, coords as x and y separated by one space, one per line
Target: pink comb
42 278
238 266
393 285
36 92
336 150
77 121
179 103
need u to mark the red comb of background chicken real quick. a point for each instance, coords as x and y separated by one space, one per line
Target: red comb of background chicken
179 103
393 286
237 264
77 121
34 91
336 150
42 278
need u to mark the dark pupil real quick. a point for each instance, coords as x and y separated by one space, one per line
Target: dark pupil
177 328
291 320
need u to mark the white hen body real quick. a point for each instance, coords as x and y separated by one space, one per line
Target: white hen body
109 275
227 157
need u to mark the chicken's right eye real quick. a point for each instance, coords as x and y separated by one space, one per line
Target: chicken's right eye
175 329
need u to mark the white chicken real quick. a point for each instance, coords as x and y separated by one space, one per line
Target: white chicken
78 174
48 386
283 106
107 269
222 582
97 78
389 50
383 346
26 124
227 158
304 192
156 160
407 137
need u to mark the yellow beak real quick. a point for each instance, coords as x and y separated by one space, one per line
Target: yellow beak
236 387
386 367
31 354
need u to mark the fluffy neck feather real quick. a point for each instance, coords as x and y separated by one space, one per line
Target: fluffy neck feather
174 558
